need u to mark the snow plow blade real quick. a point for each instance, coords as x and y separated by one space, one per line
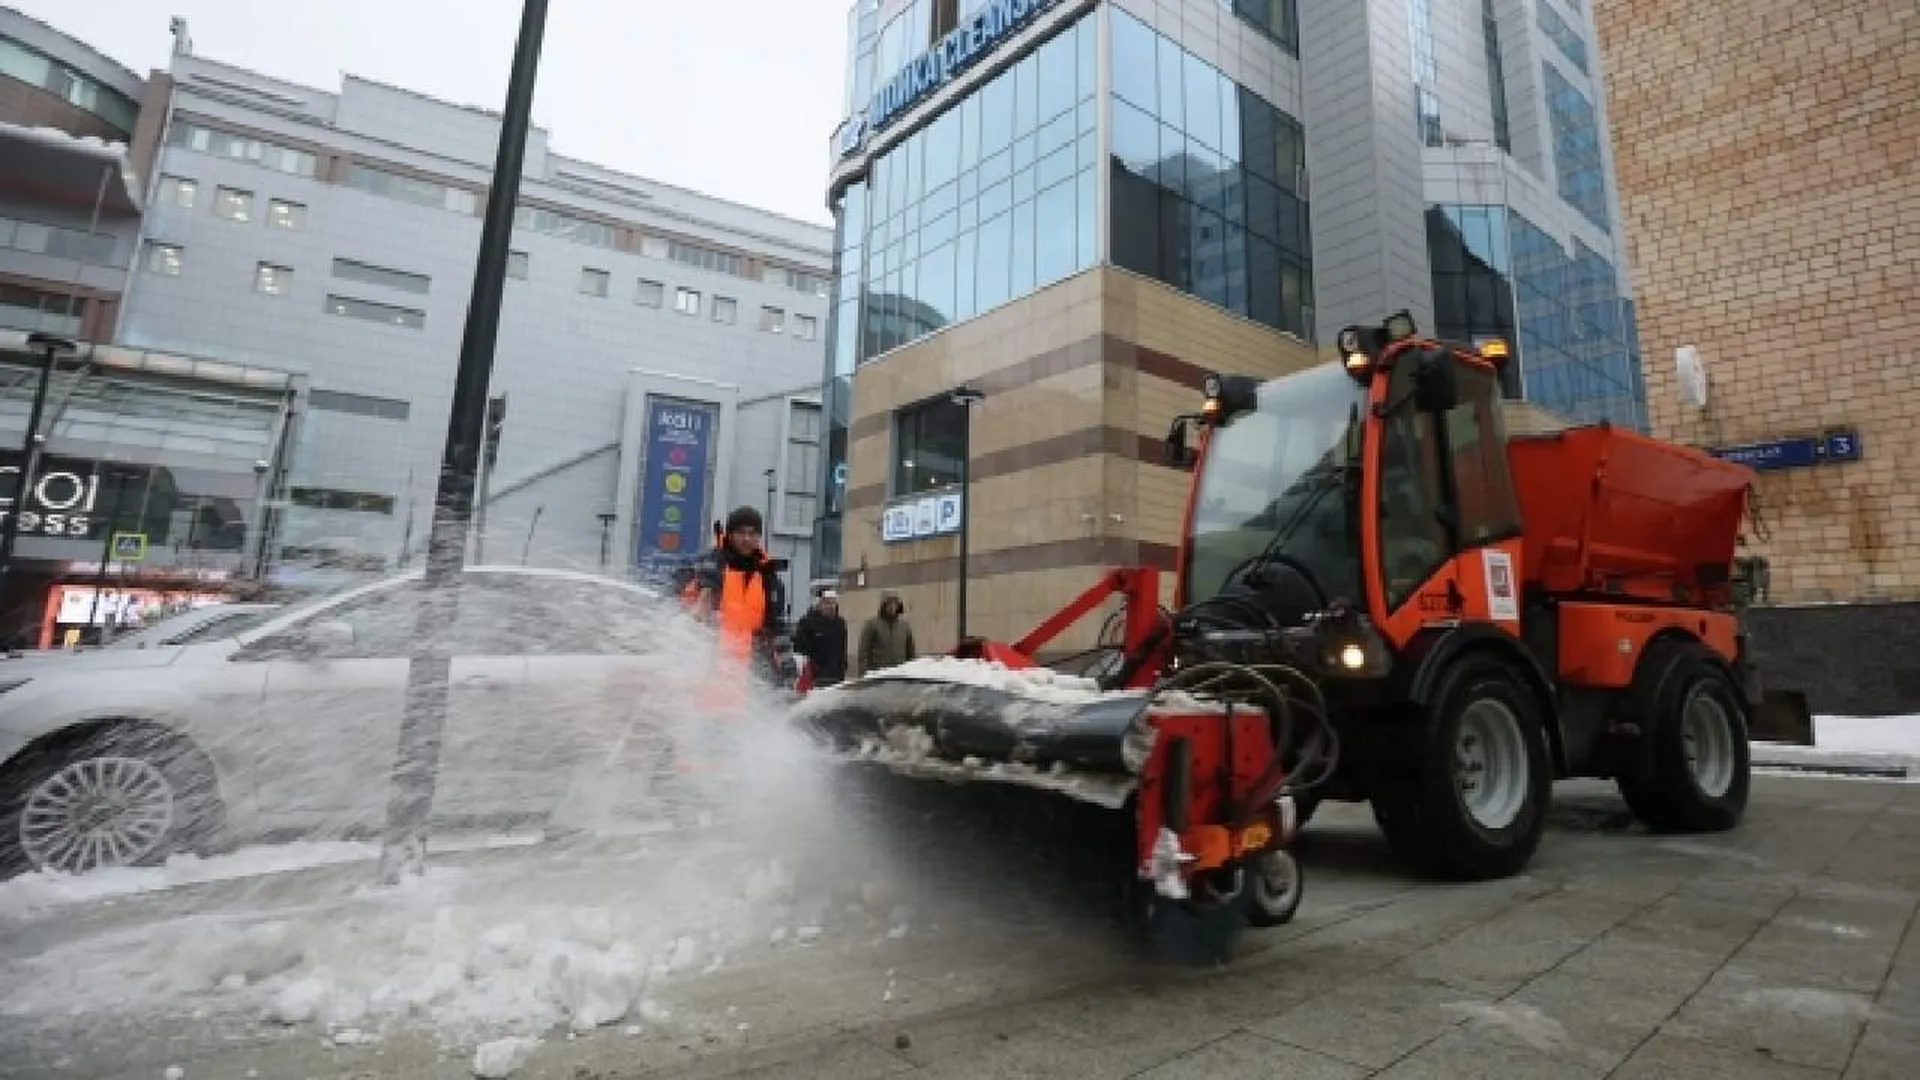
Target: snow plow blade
1782 716
965 732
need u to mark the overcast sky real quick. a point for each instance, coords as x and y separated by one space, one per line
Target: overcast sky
735 98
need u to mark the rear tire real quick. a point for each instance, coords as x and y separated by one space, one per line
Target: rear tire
1468 797
1694 769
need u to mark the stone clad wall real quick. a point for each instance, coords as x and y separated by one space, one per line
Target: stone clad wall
1765 151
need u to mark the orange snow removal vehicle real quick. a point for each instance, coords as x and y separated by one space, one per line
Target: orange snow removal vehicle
1381 597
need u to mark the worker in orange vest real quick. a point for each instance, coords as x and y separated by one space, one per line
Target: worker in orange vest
738 590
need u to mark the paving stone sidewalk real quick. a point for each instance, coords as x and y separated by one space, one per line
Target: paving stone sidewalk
1786 949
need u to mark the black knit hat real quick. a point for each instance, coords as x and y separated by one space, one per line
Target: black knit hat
746 517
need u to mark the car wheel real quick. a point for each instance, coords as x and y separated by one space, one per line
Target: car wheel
121 796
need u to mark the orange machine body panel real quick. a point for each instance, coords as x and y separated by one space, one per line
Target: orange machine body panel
1601 643
1609 511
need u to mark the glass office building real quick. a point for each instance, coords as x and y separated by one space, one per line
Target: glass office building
1027 191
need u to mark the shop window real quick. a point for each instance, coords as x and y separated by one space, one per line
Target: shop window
929 442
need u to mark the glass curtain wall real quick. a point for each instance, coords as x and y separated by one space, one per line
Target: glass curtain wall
990 200
1209 183
1496 274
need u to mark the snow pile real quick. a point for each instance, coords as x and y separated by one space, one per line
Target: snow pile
1040 684
62 140
33 893
502 1057
1880 747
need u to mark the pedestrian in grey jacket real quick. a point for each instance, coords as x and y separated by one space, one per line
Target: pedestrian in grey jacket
887 639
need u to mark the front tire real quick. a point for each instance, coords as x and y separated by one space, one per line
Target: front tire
1468 797
1695 769
121 796
1275 884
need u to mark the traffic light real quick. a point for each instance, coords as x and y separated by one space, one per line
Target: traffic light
496 419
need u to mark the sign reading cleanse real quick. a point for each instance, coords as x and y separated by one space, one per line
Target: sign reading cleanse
951 55
673 491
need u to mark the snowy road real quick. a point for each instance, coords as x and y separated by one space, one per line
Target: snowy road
1786 949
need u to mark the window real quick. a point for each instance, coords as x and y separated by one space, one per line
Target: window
411 189
1413 542
282 214
200 138
1564 36
1278 19
566 226
654 247
686 301
706 258
164 259
233 204
517 265
1496 77
35 68
725 309
1426 72
806 327
992 199
178 191
352 502
368 310
358 404
1489 510
928 441
272 280
797 280
773 320
652 294
96 248
1209 184
594 282
800 503
1576 147
349 270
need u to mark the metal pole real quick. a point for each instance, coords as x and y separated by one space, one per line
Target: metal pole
526 550
418 758
106 552
966 499
606 539
29 457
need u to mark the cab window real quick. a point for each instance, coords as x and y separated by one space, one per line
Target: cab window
1413 536
1477 435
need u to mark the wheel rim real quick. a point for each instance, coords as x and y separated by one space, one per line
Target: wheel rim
1276 881
97 812
1706 735
1490 764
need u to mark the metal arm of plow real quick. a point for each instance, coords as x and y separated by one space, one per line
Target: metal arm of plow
1140 585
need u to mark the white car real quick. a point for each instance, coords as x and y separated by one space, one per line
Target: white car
121 756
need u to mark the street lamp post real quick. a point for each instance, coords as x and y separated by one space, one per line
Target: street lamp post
429 668
966 397
607 519
50 348
767 531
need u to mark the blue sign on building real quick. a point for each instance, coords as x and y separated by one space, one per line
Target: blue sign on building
1798 453
673 485
932 69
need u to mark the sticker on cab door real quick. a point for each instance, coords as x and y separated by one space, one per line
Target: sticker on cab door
1503 603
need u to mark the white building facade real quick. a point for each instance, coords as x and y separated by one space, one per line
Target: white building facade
333 235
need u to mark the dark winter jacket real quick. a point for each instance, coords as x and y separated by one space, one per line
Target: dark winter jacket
822 638
887 639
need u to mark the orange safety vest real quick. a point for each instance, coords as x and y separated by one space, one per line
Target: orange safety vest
742 611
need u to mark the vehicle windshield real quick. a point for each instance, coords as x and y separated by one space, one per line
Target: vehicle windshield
198 624
1291 463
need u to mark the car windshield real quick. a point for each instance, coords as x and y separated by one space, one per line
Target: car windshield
198 624
1284 465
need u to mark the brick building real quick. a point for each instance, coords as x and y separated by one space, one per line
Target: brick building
1766 153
